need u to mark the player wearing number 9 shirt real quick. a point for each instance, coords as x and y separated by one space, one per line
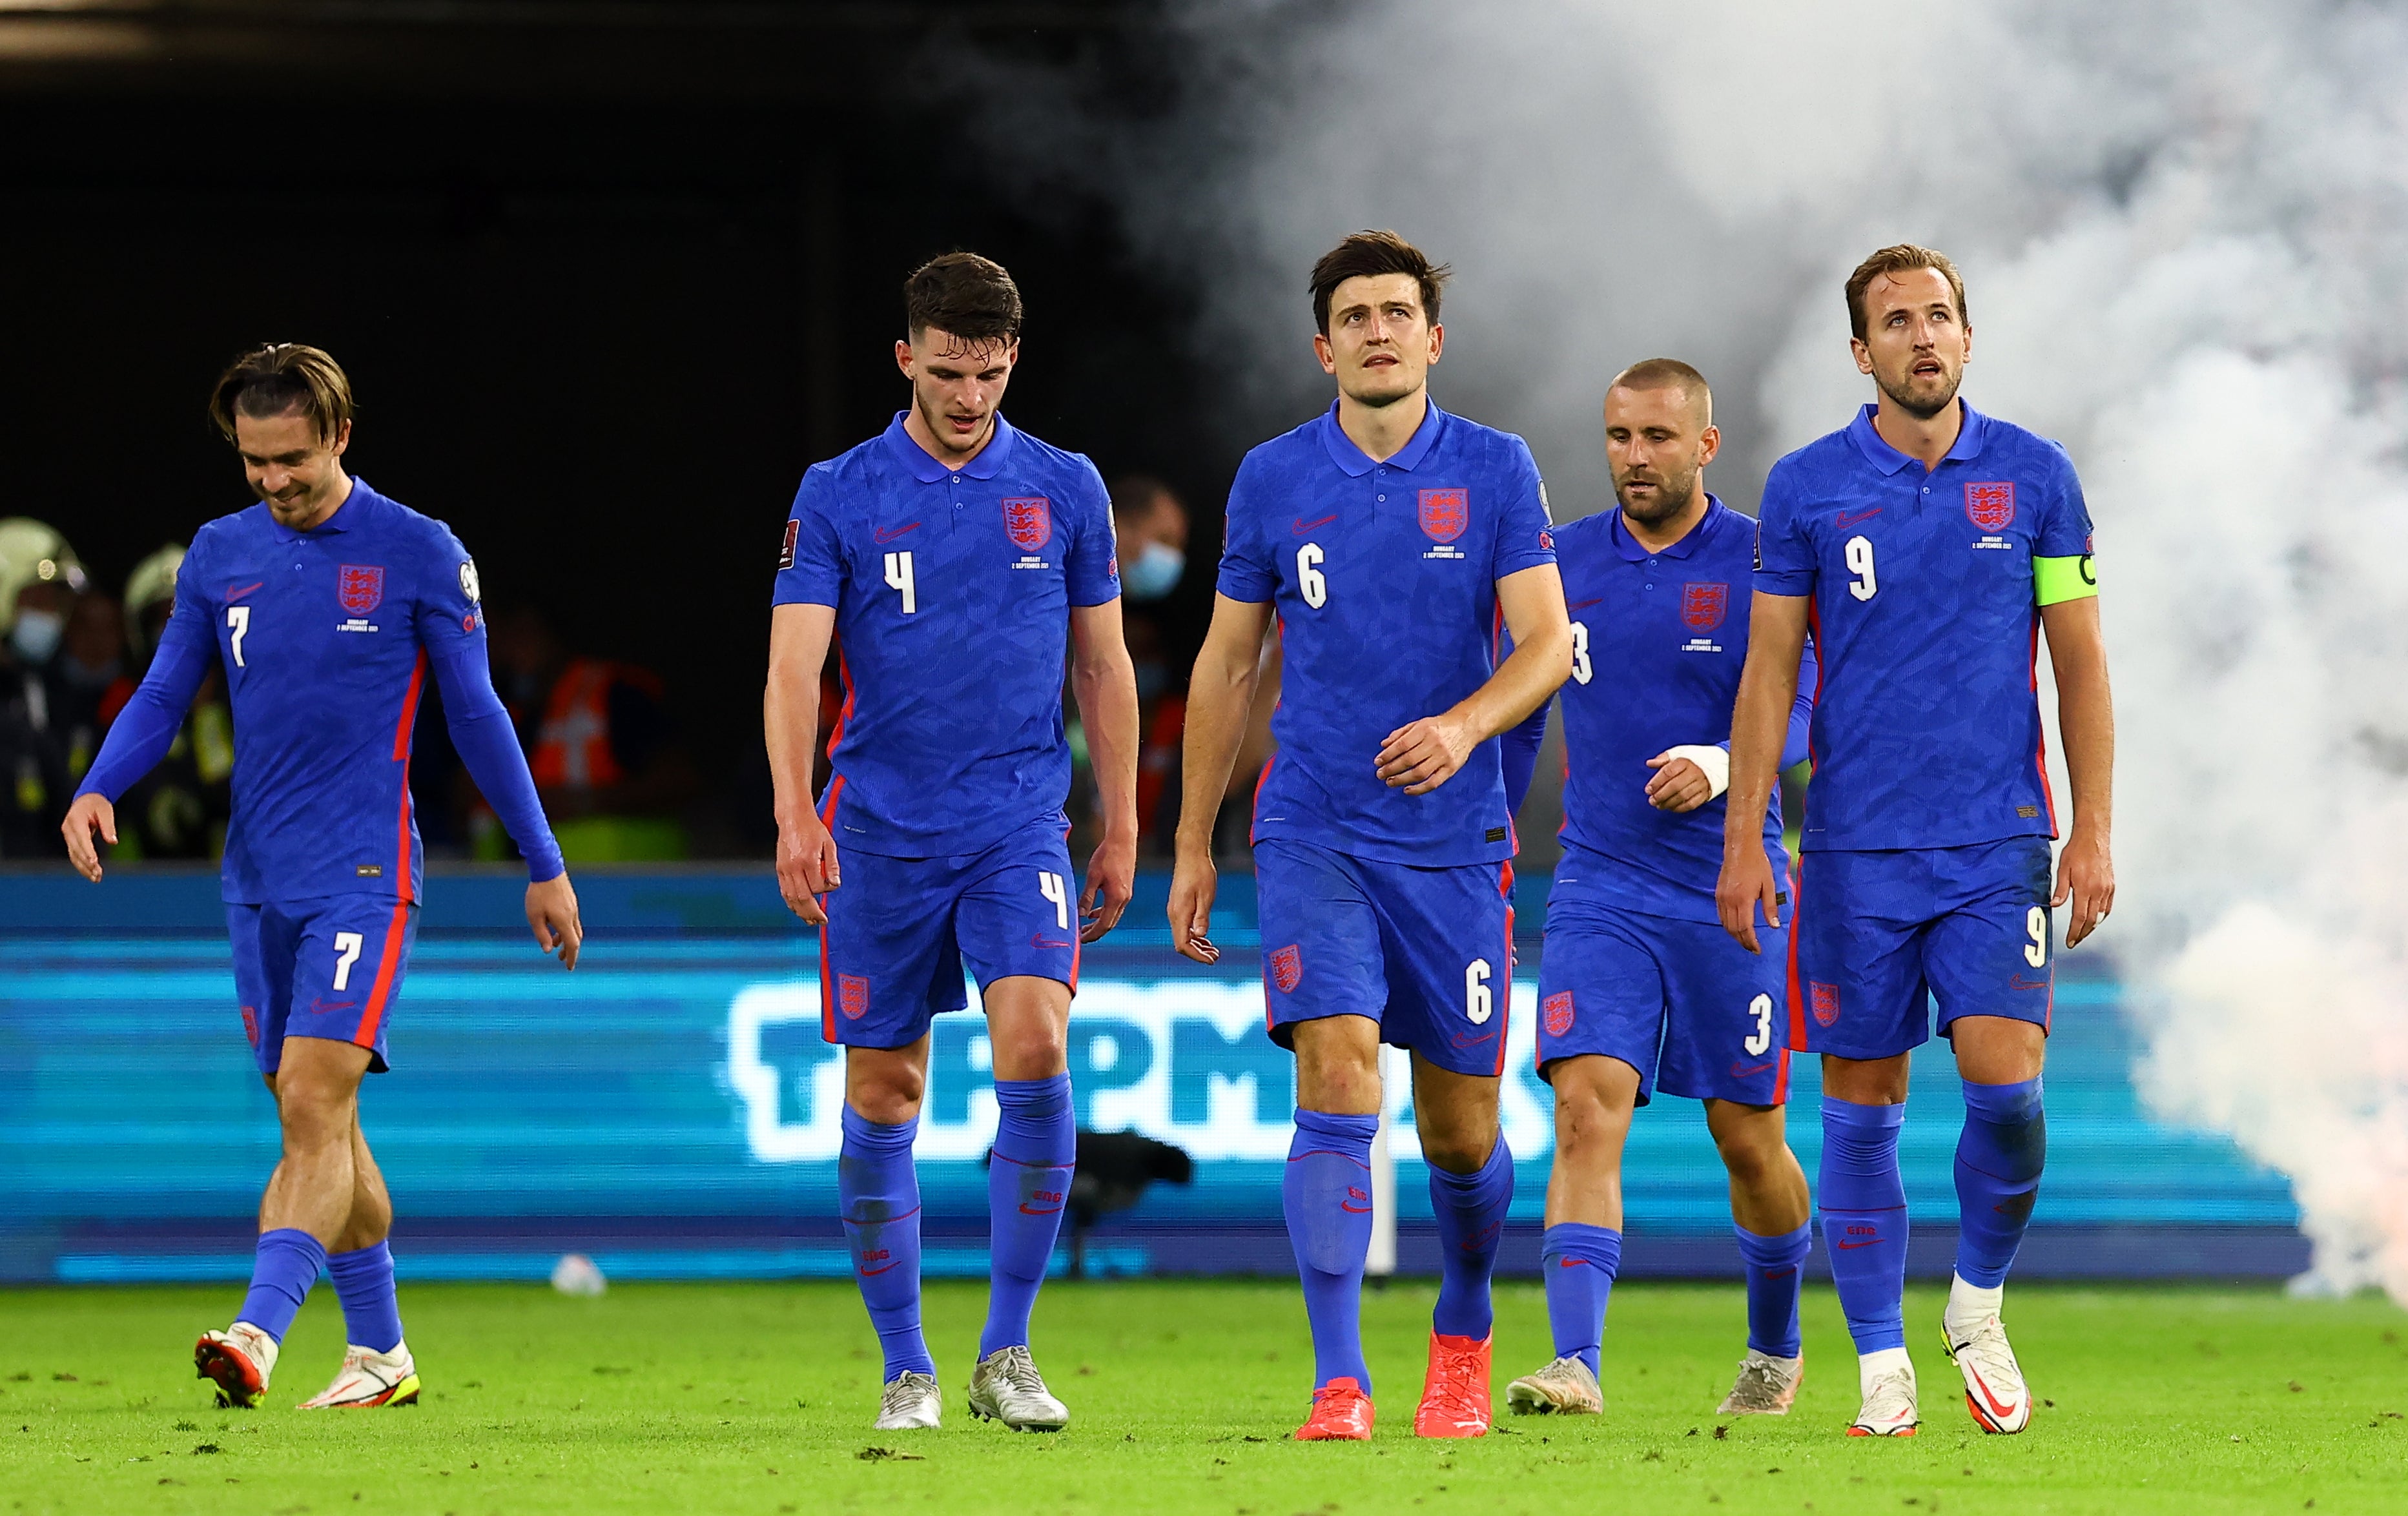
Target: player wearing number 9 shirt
1391 540
1927 545
947 559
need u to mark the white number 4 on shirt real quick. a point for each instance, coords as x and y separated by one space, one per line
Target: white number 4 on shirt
898 576
1052 887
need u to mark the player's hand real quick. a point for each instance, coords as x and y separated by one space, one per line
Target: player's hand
1193 882
551 910
807 868
1111 873
1419 756
1678 784
90 813
2085 874
1747 882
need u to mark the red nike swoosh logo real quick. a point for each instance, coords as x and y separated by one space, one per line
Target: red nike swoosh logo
2019 982
1744 1073
1583 605
1996 1409
1570 1262
1027 1210
1302 526
868 1272
233 596
1355 1210
1871 1242
1844 519
887 534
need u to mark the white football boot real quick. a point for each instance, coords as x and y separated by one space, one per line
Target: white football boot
1767 1386
912 1402
1889 1401
1564 1388
1006 1387
1995 1391
238 1361
369 1379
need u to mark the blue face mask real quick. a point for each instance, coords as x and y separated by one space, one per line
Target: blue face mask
1154 573
36 635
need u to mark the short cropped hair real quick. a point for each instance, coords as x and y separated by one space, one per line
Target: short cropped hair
278 379
1905 258
1375 252
966 296
1667 374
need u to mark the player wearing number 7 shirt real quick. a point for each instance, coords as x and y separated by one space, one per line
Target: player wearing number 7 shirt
950 559
1391 539
1927 547
327 605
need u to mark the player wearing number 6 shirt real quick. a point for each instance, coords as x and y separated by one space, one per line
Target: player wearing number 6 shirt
1642 990
947 559
1927 547
327 604
1391 539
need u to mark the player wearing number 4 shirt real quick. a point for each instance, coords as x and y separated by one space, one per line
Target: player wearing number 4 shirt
326 606
946 558
1927 547
1391 540
1640 990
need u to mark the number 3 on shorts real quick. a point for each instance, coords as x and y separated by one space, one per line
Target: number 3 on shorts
1761 1038
1051 887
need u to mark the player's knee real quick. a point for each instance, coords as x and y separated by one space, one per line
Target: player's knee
1751 1161
1585 1124
1033 1047
1457 1150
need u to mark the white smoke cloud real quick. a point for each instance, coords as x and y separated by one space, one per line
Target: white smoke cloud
2186 232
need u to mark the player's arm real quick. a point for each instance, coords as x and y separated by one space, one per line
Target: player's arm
790 719
1689 775
1105 684
142 733
1220 693
488 744
1419 756
2086 716
1760 719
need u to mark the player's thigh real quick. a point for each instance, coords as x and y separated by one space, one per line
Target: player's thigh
1321 939
350 958
1447 954
1992 955
1017 915
1723 1036
263 940
1601 991
1856 986
888 964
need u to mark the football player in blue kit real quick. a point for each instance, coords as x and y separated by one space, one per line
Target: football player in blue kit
1640 990
327 605
949 560
1927 546
1392 542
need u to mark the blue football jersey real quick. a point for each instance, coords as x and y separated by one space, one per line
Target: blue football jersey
953 591
1658 640
1924 605
1384 576
325 636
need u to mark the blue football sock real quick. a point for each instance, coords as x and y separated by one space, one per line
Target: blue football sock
363 1282
1998 1159
1027 1180
1776 1266
1864 1220
1578 1262
282 1272
1327 1193
1471 1210
878 1193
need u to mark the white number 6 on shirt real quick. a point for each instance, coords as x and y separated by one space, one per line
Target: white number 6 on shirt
1309 580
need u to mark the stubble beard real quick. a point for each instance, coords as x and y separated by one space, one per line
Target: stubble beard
1920 404
1668 505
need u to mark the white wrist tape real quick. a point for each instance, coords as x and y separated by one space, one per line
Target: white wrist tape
1715 761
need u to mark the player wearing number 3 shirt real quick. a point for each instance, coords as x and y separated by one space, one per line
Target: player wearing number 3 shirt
1927 547
1391 540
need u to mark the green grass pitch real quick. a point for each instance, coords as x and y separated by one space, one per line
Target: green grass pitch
746 1398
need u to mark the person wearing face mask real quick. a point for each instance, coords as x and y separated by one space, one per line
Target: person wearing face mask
180 809
1150 539
40 580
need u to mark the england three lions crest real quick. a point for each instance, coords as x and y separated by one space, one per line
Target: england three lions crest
853 996
1287 968
360 589
1445 513
1704 606
1028 520
1991 507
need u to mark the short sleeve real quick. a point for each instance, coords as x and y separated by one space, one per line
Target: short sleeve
1784 557
1247 573
451 601
1092 569
2065 516
811 555
1525 538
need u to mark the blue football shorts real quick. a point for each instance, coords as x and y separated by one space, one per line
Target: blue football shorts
1426 952
900 929
1876 933
1694 1013
329 968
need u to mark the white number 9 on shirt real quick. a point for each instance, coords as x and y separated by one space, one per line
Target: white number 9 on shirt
1309 581
1860 563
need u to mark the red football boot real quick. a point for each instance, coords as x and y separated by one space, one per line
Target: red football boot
1341 1412
1455 1396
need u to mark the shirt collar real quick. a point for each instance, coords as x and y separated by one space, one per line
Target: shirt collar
1970 428
923 466
345 514
1633 551
1355 463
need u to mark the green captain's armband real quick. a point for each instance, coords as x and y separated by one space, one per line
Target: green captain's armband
2056 580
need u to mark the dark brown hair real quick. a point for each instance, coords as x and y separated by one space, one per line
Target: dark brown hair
1668 374
1905 258
962 294
279 378
1374 252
